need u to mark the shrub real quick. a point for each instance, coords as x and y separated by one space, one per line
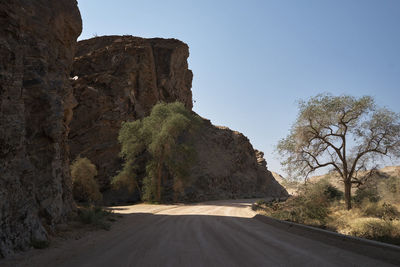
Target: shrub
310 206
339 219
353 222
367 193
319 204
300 211
389 189
85 187
380 209
322 189
95 216
332 193
376 229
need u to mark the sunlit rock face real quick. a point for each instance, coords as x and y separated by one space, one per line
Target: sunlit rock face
120 78
37 41
228 167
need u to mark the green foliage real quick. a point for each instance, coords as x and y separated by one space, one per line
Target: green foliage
160 138
85 187
95 216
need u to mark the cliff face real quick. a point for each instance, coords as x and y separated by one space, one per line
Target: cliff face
37 46
120 78
228 167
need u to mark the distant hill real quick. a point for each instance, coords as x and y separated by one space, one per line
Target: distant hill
334 178
373 175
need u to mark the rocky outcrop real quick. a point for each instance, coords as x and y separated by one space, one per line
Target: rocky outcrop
37 40
228 167
120 78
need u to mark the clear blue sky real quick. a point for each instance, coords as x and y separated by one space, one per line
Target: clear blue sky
252 60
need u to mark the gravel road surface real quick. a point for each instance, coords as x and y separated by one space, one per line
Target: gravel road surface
219 233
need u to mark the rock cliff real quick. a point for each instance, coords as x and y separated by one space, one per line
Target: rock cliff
114 79
228 167
37 40
120 78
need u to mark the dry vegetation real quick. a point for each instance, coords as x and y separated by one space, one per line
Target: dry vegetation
84 185
86 192
375 214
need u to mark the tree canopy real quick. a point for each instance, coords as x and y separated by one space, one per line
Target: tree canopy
159 138
344 133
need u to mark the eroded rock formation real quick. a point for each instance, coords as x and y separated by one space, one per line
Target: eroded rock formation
228 167
120 78
37 40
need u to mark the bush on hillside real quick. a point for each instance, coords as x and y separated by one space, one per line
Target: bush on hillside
380 209
386 189
85 187
319 204
376 229
389 189
322 189
310 206
370 194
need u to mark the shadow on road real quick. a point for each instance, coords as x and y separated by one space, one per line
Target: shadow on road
174 239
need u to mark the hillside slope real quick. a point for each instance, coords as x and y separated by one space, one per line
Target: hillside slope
372 177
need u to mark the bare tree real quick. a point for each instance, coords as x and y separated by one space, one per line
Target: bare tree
344 133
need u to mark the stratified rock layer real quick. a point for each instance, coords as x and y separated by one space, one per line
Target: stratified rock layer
120 78
37 40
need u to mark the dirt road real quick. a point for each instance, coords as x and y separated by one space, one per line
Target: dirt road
221 233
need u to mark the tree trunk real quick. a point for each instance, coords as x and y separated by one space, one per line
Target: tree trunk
159 171
347 193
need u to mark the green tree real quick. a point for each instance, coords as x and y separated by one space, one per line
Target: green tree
345 133
161 137
84 186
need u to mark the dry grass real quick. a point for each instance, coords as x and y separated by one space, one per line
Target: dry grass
356 224
319 204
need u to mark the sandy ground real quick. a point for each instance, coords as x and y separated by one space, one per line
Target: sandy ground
220 233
